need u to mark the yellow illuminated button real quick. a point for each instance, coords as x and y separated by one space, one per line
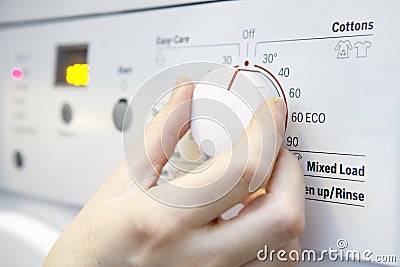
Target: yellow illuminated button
78 74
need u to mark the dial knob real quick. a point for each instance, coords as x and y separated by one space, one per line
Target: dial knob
223 104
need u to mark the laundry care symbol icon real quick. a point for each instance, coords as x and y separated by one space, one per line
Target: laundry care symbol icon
343 49
362 48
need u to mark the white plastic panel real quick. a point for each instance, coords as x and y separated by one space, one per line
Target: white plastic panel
346 113
29 228
21 234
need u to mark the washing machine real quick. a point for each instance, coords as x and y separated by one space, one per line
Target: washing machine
335 64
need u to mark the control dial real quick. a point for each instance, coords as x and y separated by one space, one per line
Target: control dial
223 104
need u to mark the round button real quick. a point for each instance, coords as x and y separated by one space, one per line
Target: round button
66 113
18 160
122 116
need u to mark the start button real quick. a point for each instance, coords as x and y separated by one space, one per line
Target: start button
122 115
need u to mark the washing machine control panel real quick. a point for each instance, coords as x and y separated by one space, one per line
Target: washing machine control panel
65 87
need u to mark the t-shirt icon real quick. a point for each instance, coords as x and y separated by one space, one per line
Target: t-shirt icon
362 48
343 48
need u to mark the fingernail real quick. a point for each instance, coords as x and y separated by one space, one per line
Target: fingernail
278 109
182 80
179 84
280 106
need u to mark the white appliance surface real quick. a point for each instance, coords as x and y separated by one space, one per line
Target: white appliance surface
29 227
337 63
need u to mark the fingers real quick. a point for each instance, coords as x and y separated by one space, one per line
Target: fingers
154 147
226 181
262 157
162 134
271 219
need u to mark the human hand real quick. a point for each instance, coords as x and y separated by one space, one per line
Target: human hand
123 226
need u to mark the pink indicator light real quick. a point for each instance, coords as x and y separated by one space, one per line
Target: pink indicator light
17 73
